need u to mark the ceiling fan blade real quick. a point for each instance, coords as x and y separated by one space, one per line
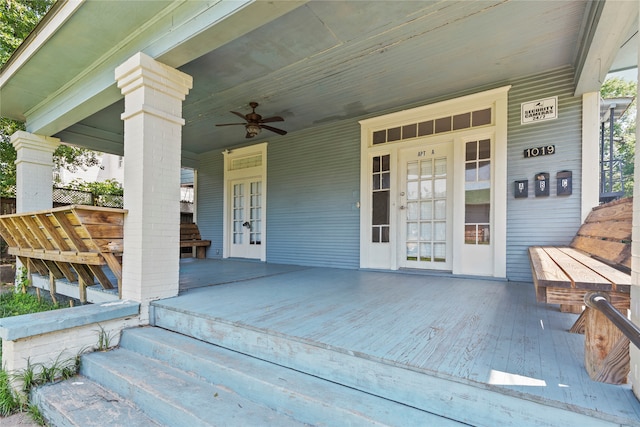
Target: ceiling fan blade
272 119
231 124
272 129
242 116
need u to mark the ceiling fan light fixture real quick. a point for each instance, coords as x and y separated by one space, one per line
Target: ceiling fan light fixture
253 129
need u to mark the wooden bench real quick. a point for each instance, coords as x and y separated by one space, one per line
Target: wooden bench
74 242
597 259
190 238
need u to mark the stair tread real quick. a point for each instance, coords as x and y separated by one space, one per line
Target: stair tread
285 386
172 394
77 401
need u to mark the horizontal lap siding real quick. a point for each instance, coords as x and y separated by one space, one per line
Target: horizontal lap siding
312 195
209 200
551 220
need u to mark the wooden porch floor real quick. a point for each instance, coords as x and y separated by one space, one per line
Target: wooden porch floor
491 334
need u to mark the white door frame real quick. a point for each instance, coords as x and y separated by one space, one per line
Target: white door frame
244 163
383 255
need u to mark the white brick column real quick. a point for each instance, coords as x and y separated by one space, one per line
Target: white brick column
152 148
634 353
34 170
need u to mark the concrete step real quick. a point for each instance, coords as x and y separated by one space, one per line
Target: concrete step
174 397
162 378
80 402
306 398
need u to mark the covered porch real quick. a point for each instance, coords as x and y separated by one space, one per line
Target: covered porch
441 343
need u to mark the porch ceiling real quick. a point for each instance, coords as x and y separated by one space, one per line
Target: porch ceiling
312 63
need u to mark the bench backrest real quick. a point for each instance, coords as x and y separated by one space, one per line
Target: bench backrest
606 233
189 231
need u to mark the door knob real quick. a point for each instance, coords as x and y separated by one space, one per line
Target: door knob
246 224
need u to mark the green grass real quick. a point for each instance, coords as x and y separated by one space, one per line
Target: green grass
15 304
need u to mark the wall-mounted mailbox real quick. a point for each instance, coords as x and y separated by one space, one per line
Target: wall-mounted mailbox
564 183
542 184
521 189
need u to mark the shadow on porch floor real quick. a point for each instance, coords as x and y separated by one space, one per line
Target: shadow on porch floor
490 334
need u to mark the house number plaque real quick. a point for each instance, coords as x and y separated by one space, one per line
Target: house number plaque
539 151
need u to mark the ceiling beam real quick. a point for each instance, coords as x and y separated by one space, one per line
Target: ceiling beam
606 30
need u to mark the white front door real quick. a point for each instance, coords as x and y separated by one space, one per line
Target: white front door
425 203
246 218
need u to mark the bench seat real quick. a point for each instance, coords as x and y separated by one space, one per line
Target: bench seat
598 259
190 238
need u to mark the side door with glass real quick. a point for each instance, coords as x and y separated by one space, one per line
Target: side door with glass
246 219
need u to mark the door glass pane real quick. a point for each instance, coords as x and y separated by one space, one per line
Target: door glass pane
426 170
412 231
426 210
255 234
425 231
426 192
440 188
412 170
412 190
412 251
425 251
412 211
441 209
238 213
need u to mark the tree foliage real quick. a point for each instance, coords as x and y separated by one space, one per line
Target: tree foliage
624 129
17 19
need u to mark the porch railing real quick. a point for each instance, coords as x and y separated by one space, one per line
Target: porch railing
600 301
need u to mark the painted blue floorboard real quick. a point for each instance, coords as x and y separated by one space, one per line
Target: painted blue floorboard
458 328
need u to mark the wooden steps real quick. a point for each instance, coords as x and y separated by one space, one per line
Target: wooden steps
158 377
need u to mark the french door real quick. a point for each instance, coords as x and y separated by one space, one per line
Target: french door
246 215
425 203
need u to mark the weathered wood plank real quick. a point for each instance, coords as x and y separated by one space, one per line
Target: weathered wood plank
102 278
545 271
85 258
50 224
5 233
603 359
615 252
619 279
37 232
576 297
84 273
70 231
610 230
104 231
100 217
580 275
66 269
619 210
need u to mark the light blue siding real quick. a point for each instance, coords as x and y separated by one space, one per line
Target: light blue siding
209 201
542 220
313 181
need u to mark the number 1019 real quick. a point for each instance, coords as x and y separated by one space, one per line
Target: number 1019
540 151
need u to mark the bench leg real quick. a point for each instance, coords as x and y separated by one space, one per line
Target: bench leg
606 349
201 252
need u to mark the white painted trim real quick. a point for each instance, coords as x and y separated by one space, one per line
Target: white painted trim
497 99
32 44
611 30
229 176
590 153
